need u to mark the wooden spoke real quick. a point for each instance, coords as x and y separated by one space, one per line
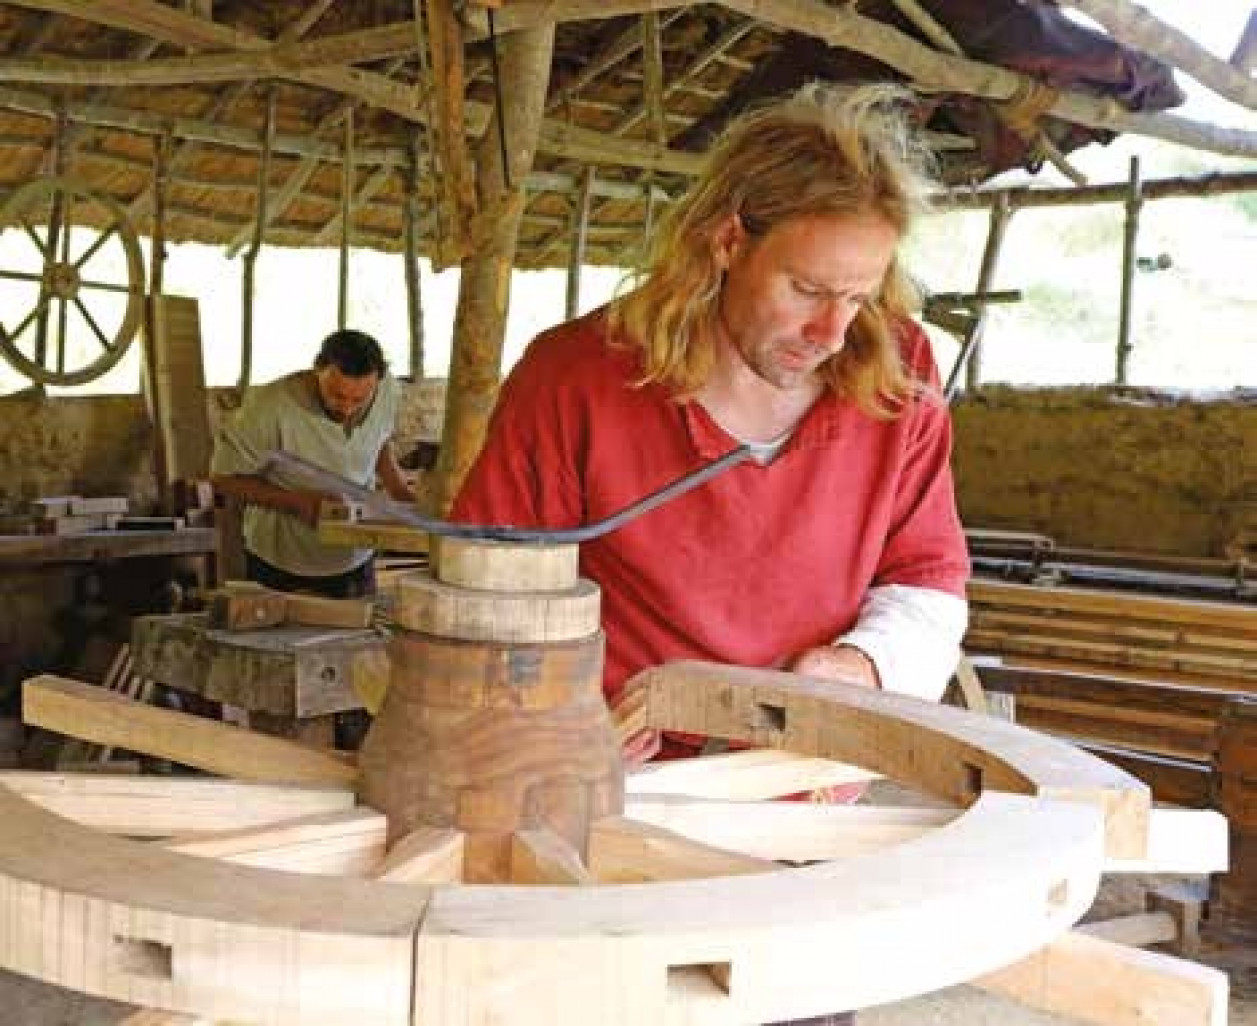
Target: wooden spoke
101 239
429 855
165 806
40 306
749 776
106 718
21 275
1180 841
91 323
104 286
788 831
346 843
34 237
626 851
543 857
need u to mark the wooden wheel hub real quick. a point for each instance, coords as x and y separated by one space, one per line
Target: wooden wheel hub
493 763
62 280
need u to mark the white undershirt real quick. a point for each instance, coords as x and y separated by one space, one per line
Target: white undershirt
911 634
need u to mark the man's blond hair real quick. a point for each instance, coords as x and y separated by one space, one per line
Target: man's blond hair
826 151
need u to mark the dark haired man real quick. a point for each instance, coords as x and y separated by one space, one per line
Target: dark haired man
340 415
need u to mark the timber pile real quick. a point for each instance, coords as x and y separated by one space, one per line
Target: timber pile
1180 641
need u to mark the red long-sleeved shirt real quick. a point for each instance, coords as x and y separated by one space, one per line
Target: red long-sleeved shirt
756 565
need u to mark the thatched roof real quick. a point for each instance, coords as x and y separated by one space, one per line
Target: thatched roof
636 91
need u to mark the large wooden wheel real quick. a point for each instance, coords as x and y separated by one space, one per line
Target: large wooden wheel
72 302
714 907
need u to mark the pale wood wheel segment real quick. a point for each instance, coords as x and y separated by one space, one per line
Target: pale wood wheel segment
70 287
739 922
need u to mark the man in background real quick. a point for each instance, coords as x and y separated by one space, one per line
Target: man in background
340 415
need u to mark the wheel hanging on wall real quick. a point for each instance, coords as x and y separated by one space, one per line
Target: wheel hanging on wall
77 297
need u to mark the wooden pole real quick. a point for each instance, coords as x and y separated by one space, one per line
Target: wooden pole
484 291
410 258
346 212
255 244
580 236
970 356
1134 202
153 326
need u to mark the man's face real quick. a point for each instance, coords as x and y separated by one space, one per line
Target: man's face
344 397
790 295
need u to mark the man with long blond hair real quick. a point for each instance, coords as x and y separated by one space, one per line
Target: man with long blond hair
772 312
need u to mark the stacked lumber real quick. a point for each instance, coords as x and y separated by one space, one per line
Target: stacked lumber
76 514
1174 640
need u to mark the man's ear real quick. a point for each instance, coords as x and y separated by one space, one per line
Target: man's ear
728 236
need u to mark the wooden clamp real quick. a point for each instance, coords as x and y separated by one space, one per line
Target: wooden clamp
244 606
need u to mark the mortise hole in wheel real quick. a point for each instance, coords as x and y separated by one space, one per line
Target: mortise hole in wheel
771 717
150 959
972 784
1058 896
682 977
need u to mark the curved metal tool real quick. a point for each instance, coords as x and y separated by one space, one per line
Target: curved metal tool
302 469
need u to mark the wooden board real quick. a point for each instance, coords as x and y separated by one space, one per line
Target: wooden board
98 546
105 717
150 806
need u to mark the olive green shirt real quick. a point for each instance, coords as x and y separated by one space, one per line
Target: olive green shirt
287 414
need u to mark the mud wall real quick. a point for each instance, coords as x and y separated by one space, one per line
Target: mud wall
1108 469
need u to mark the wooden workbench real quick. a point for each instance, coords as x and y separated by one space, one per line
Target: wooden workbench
293 674
104 546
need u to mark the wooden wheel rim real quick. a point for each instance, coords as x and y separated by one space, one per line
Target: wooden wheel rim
122 920
58 278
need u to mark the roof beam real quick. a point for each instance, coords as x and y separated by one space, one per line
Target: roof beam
274 61
180 29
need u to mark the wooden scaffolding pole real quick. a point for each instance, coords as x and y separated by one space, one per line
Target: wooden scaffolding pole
484 290
1134 203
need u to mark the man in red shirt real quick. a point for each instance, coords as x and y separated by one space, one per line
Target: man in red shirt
772 312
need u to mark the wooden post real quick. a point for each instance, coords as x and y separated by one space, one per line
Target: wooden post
580 235
484 291
1234 894
255 244
446 120
346 211
970 356
153 326
1134 202
410 258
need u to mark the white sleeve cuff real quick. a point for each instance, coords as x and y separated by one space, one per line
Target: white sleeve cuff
912 635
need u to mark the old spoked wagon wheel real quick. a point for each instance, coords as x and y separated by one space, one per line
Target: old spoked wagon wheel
72 300
488 803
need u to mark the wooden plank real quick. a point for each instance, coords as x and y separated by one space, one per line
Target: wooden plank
93 714
138 806
1181 841
95 546
369 534
316 611
1217 615
346 843
941 750
432 855
753 775
1096 981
